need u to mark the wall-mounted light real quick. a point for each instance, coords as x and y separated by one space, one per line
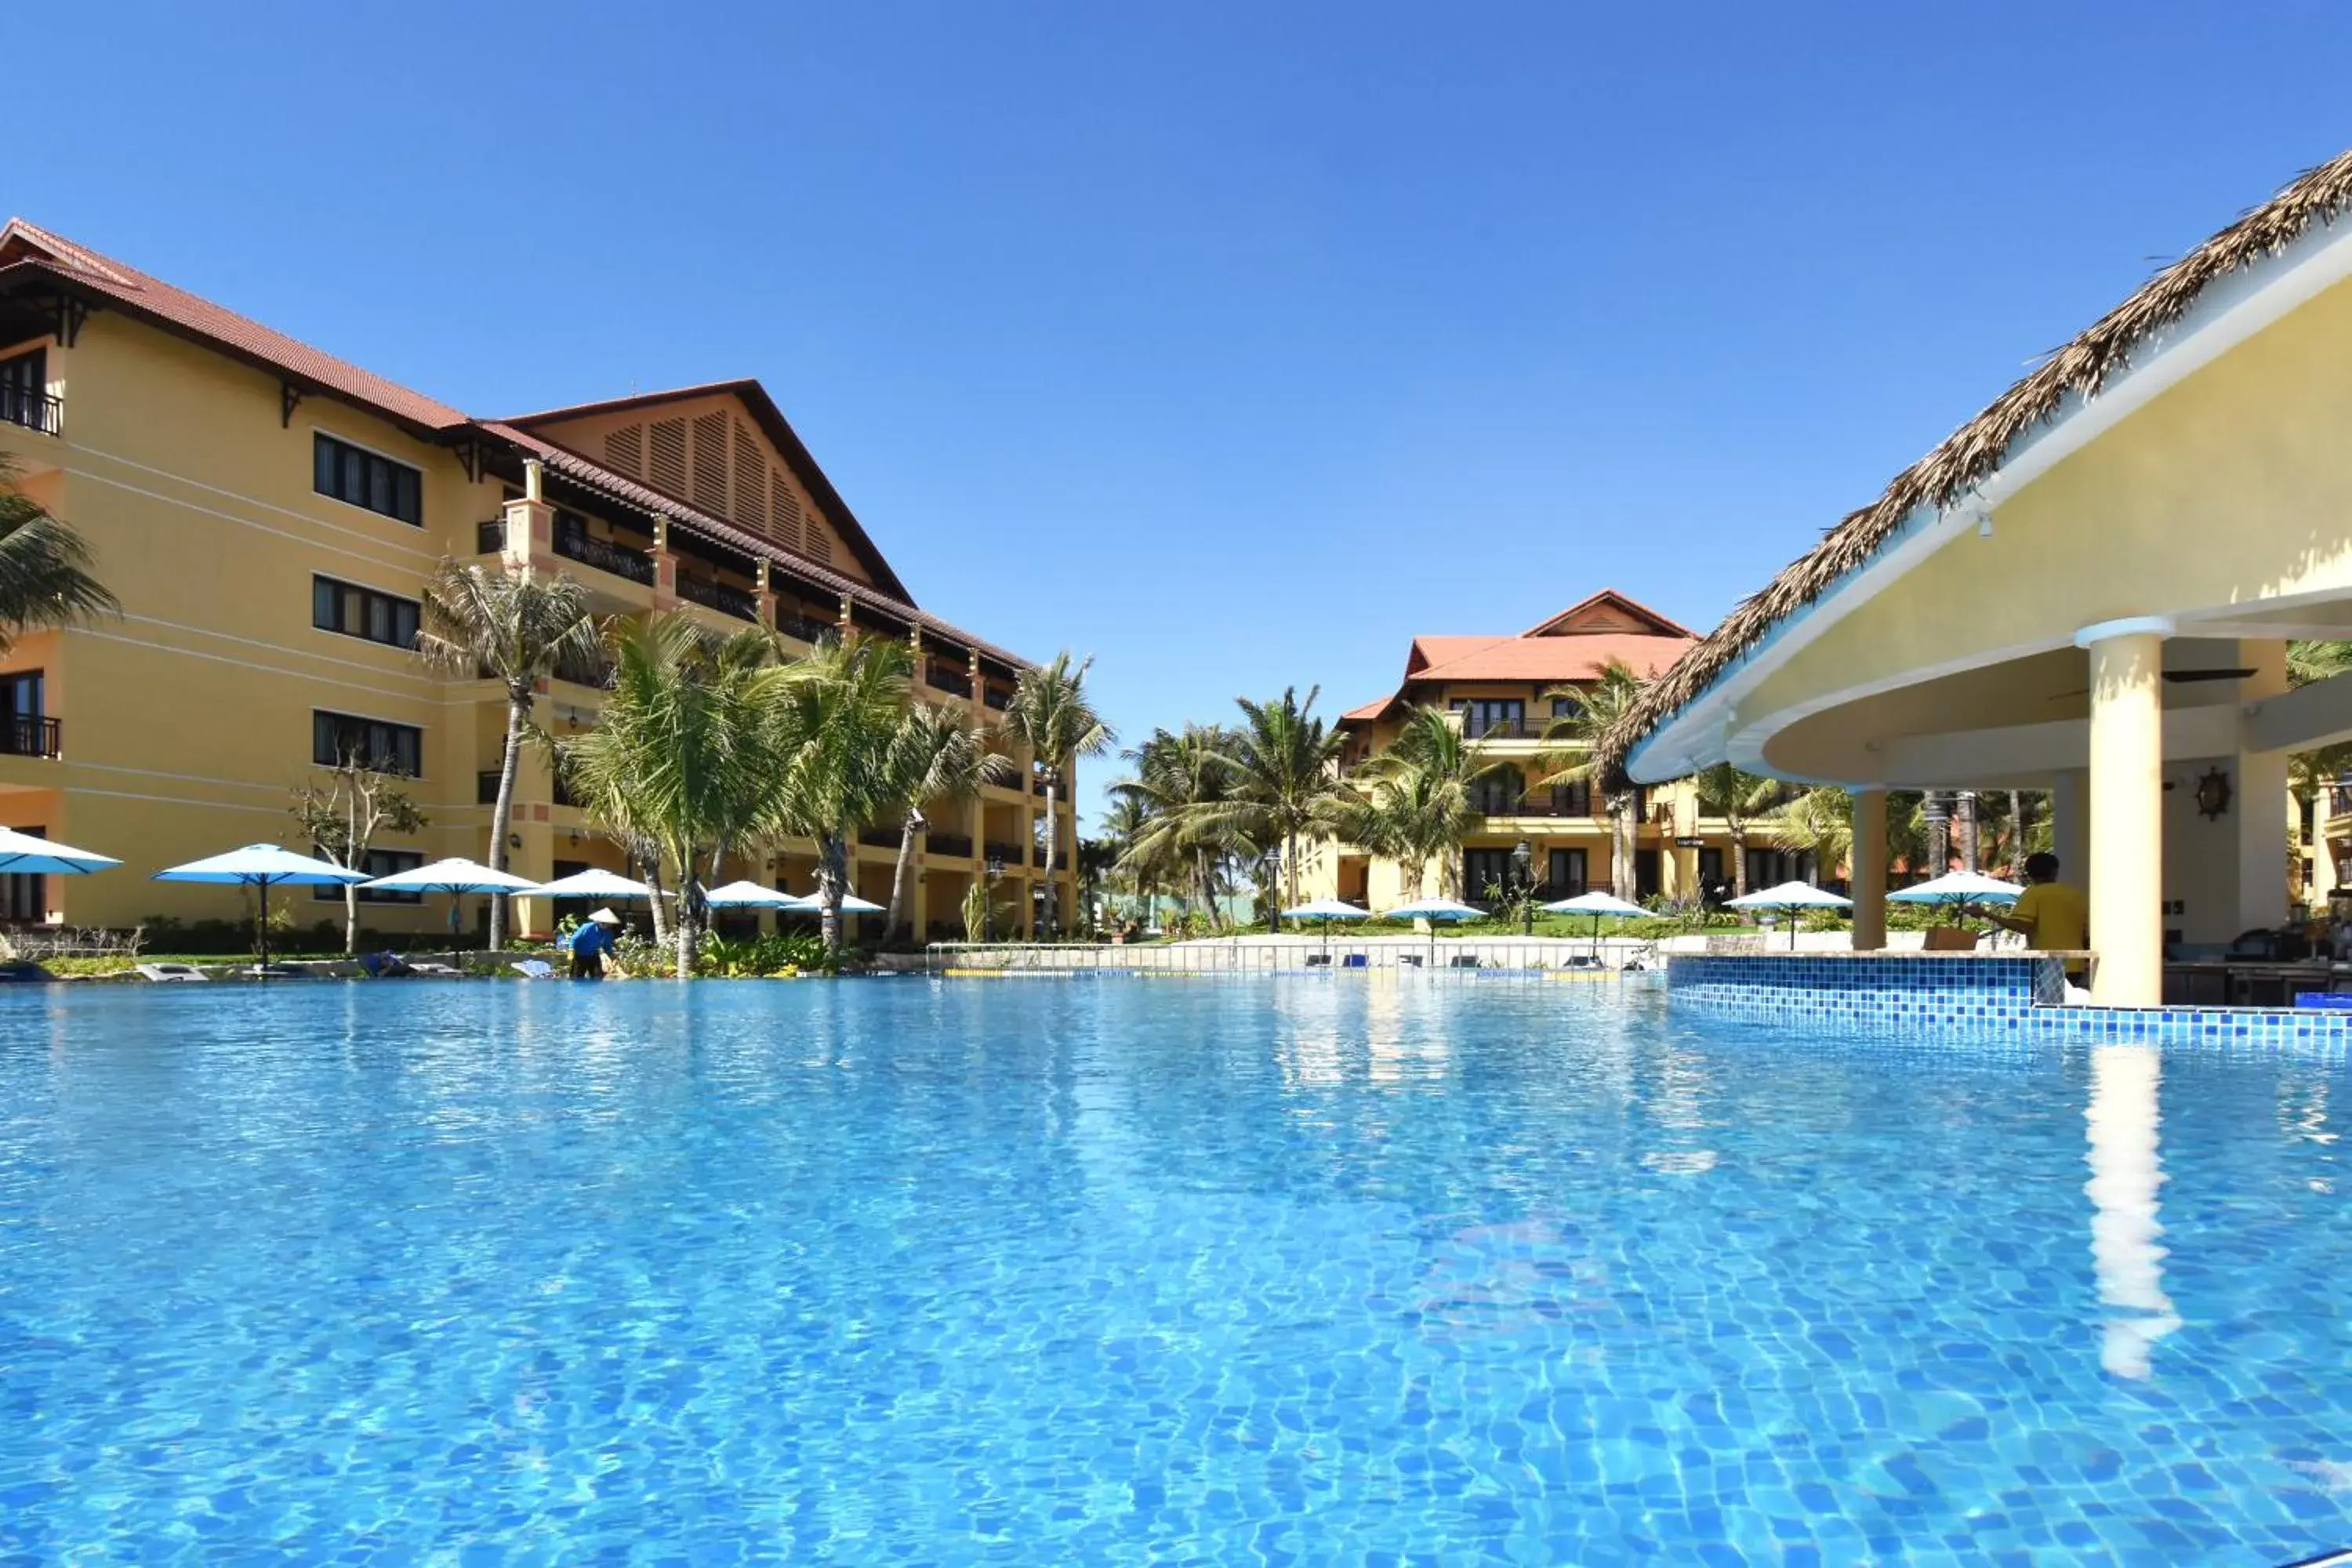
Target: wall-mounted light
2213 795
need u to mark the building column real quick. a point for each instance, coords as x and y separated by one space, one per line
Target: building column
1869 856
2126 882
2262 805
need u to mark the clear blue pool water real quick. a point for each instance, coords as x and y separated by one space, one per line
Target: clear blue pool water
1321 1269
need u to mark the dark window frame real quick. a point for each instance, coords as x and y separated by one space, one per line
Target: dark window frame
332 746
345 471
376 863
331 601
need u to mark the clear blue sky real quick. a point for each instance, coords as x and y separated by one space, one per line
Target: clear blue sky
1251 339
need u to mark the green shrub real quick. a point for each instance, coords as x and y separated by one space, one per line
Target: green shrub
777 952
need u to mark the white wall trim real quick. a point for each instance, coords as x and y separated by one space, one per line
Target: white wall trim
427 556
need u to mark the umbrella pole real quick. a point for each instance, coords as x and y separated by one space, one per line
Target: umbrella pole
261 929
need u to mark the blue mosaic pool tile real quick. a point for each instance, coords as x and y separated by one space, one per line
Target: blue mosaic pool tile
1971 999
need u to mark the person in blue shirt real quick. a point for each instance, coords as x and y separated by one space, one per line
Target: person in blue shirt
590 942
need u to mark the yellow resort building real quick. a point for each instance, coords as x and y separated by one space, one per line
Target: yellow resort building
267 516
1504 691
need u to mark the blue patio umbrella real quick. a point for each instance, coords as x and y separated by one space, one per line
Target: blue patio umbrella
1599 906
1791 896
1433 910
23 854
456 876
1327 910
262 866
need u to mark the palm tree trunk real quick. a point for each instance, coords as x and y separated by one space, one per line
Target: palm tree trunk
649 867
502 812
1738 836
1621 848
1965 821
2017 835
1052 842
832 875
902 874
689 911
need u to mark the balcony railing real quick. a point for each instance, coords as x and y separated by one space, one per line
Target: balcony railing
806 628
1037 856
585 669
591 550
1001 849
2340 799
28 735
948 846
490 536
942 678
998 698
33 409
727 600
880 837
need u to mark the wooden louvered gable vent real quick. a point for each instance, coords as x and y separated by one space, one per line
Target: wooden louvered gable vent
750 480
625 450
710 462
818 543
665 455
784 513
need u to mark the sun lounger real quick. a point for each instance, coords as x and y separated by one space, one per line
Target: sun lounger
440 971
1355 961
1465 961
173 971
534 969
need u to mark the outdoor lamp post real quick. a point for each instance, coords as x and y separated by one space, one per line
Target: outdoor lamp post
1522 862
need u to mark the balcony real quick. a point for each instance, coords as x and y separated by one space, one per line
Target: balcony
881 837
490 536
803 627
998 698
1001 850
591 550
33 409
948 846
941 678
724 597
2340 799
585 669
28 735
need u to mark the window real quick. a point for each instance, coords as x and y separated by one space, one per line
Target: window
1710 869
1567 707
1564 878
25 391
1488 874
1495 793
378 863
374 745
361 477
358 612
24 897
1490 715
1573 798
23 731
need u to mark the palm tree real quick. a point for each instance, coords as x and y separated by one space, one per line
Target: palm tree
1818 821
1051 714
1415 802
1569 740
679 757
512 628
1739 797
1285 786
934 756
45 578
1136 870
835 715
1177 777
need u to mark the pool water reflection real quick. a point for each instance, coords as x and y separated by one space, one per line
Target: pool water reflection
1333 1269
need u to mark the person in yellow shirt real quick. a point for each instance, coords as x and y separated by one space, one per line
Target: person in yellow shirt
2052 916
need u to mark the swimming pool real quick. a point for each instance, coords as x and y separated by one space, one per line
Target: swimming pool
1326 1269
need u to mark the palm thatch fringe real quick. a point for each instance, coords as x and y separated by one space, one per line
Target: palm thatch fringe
1973 452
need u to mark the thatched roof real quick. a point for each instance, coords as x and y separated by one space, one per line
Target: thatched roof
1976 450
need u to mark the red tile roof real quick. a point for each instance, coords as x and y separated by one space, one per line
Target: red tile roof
27 247
1557 650
25 244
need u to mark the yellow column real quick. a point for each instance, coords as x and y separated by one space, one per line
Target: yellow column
2126 886
1869 871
